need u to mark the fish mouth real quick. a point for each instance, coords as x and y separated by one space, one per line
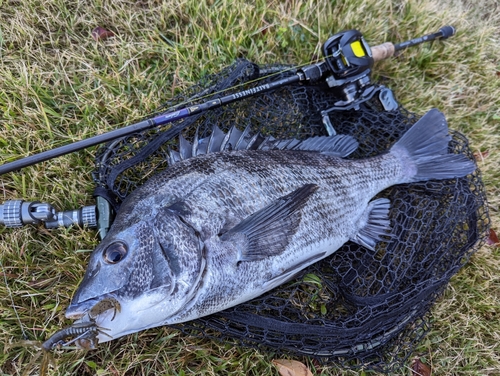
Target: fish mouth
77 311
93 308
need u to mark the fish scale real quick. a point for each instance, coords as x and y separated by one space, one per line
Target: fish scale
224 224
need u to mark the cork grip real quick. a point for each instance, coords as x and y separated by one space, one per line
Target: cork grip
382 51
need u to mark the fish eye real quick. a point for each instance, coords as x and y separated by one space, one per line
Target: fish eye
115 253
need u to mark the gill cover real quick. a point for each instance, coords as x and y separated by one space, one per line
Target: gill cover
150 254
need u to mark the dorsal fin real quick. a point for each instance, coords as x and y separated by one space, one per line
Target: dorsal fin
194 148
242 141
185 148
173 157
337 146
254 142
234 136
289 144
234 139
215 140
225 140
268 142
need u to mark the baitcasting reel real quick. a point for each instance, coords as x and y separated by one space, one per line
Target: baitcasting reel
350 60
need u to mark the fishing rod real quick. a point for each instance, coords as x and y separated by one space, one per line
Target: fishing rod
346 69
346 57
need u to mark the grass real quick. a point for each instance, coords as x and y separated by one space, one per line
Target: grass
58 85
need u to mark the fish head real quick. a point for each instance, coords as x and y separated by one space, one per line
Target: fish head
143 273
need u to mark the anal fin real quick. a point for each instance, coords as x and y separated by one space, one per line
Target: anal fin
373 224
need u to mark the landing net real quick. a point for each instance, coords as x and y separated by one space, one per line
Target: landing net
357 308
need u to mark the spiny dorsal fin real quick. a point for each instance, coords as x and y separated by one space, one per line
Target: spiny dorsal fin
234 136
194 148
225 140
215 140
234 139
289 144
173 157
185 148
267 143
242 141
220 141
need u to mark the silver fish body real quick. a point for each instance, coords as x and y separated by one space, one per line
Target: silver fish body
217 229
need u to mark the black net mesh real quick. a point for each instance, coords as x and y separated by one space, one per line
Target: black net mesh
356 308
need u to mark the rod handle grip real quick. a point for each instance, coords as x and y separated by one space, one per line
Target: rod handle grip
383 51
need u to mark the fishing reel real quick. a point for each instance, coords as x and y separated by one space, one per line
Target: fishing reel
346 69
349 59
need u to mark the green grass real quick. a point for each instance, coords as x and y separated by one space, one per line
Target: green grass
58 85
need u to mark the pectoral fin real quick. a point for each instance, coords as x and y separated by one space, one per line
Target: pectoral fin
268 231
373 224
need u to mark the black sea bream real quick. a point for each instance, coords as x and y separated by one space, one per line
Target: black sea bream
219 228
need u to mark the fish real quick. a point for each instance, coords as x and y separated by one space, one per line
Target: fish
236 215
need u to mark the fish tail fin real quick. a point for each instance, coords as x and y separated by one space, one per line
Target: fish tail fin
424 148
